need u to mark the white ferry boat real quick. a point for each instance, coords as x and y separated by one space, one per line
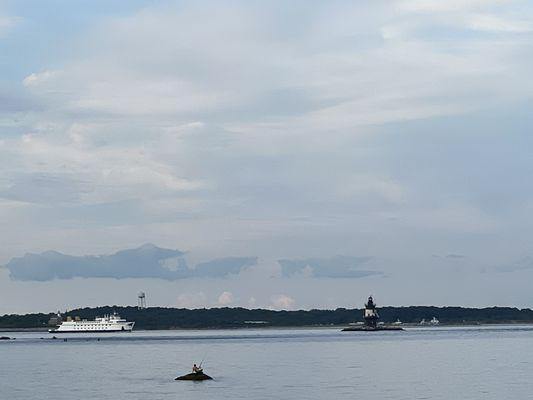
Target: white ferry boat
107 323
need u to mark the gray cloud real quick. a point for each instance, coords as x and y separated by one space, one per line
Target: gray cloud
336 267
222 267
455 256
147 261
524 264
43 188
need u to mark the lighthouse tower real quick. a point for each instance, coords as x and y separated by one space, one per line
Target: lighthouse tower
370 314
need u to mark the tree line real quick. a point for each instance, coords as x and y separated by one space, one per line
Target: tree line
181 318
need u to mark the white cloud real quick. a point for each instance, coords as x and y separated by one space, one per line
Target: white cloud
38 78
142 108
282 302
252 302
142 95
445 6
108 173
257 79
7 23
225 299
191 300
493 23
459 219
372 186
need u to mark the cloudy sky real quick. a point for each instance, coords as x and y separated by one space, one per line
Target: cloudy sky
266 154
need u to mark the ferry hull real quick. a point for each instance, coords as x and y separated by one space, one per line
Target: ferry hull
90 331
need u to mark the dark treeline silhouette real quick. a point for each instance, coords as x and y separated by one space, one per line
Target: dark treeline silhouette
169 318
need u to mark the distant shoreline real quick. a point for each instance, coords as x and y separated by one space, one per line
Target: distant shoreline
161 318
428 327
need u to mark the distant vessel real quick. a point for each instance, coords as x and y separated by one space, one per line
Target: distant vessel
371 316
433 322
107 323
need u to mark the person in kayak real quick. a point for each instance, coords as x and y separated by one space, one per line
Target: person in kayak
196 370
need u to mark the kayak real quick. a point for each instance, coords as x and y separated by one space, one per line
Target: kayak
193 376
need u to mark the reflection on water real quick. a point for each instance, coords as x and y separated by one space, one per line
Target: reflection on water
418 363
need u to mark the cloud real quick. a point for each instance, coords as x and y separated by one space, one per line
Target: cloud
282 302
256 75
444 6
37 78
225 299
524 264
43 188
84 173
147 261
191 300
7 23
220 128
117 126
336 267
451 218
222 267
492 23
143 262
455 256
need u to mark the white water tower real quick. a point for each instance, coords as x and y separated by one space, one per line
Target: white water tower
141 301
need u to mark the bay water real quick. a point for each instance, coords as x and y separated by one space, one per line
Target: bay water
488 362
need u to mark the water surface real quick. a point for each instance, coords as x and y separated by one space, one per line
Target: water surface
418 363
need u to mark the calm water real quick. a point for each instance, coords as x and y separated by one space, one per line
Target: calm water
438 363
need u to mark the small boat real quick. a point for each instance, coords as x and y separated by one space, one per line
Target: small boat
194 376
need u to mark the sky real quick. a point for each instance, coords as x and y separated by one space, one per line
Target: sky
286 155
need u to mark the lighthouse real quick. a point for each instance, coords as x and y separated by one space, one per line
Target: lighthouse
371 316
370 313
